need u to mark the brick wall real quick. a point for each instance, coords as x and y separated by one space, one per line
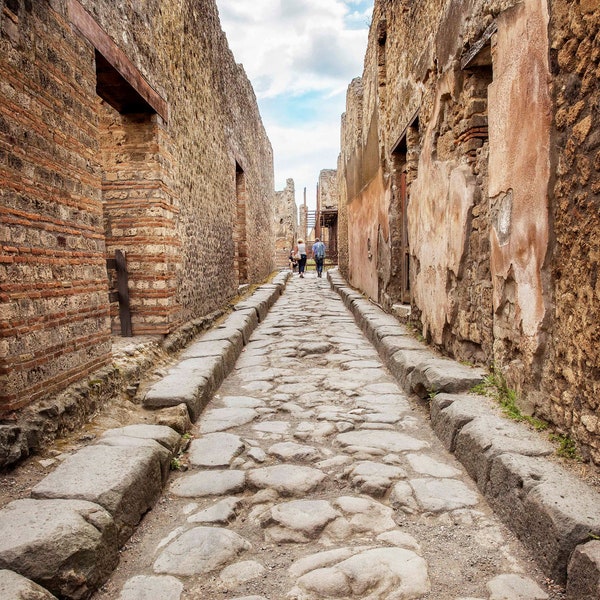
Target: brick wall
123 126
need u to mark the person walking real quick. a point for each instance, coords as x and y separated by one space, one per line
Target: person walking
301 251
318 251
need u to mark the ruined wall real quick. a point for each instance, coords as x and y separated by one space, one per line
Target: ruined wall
286 223
570 382
481 225
90 164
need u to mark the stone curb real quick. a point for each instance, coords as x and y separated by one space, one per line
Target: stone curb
66 537
552 512
206 363
91 503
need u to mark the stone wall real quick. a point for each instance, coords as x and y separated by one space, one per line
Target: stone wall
286 223
571 370
457 201
123 126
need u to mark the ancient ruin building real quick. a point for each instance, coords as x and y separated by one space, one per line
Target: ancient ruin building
469 186
129 139
286 223
326 222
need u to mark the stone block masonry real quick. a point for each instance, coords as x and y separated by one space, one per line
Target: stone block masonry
122 127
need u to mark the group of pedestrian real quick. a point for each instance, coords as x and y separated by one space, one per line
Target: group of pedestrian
298 257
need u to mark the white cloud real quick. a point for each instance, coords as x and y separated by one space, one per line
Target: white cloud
294 50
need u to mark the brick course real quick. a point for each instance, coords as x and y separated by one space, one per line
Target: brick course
82 176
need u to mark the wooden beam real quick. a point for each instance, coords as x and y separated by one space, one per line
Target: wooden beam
88 27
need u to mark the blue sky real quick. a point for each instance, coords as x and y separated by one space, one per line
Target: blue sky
300 56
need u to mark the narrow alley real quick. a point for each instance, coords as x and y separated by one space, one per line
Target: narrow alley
313 475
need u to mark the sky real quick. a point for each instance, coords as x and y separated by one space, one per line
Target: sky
300 56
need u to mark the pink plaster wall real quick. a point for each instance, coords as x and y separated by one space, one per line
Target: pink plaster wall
519 133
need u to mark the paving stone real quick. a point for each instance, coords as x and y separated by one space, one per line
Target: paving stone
287 480
222 512
145 587
165 436
366 515
373 478
15 587
220 419
402 497
304 517
279 427
126 481
242 402
69 547
209 483
443 494
515 587
426 465
291 451
389 441
199 551
241 572
307 348
257 454
215 450
385 573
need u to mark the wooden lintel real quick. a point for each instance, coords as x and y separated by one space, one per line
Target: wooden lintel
402 137
469 56
88 27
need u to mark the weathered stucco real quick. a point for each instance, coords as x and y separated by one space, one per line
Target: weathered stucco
519 169
487 139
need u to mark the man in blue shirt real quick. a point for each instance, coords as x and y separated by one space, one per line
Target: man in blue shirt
318 251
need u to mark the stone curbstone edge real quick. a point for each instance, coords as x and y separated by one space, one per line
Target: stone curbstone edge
553 513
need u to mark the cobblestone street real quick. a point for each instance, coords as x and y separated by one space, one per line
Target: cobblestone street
313 475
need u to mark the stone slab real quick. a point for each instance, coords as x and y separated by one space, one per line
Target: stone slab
67 546
583 582
126 481
550 510
201 550
287 480
443 375
15 587
215 449
144 587
209 483
451 412
219 348
180 386
482 439
165 436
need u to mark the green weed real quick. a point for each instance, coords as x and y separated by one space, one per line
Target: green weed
566 446
495 386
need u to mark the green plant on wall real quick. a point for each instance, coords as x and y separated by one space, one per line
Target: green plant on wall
495 386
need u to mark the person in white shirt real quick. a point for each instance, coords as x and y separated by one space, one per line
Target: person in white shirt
301 251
